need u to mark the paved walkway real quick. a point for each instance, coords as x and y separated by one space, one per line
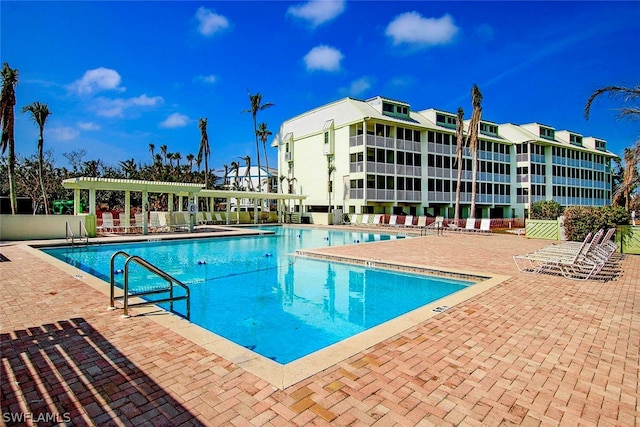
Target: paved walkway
534 350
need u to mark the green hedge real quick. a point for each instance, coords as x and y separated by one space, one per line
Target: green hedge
546 209
579 221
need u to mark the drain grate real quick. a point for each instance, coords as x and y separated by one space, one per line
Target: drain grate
4 258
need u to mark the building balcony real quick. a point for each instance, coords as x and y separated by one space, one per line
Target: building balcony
379 141
381 195
409 196
356 140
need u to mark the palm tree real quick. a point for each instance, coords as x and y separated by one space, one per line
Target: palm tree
247 172
330 169
204 151
630 176
460 144
190 159
257 105
152 149
264 134
163 150
235 168
225 181
472 141
128 167
40 113
626 93
7 117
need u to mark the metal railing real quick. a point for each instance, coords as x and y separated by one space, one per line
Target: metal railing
83 235
153 290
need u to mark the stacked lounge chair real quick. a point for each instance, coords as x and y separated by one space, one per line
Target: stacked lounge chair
574 260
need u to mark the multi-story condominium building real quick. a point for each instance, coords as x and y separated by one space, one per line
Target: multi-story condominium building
378 156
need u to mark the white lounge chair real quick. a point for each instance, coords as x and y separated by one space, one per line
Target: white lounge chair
422 221
365 219
393 220
572 261
408 221
485 225
470 225
107 223
376 219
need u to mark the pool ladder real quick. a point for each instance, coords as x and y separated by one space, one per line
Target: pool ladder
153 290
82 237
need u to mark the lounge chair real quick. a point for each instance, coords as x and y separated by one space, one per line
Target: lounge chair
200 218
485 225
572 261
355 219
470 226
422 222
107 223
376 219
365 219
393 220
180 220
408 221
218 218
137 225
208 219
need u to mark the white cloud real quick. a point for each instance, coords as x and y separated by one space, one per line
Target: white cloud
88 126
175 120
323 58
413 28
97 80
359 86
62 133
317 12
210 22
116 107
210 79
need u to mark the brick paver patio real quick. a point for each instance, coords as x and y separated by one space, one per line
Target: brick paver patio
534 350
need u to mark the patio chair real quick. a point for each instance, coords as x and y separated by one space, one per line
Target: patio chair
485 225
376 219
470 226
218 218
573 262
422 221
408 221
365 220
208 218
107 223
393 220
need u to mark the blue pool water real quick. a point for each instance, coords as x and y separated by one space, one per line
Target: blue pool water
252 292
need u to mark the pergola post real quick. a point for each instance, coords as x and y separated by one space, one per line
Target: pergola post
228 216
145 208
92 200
127 210
76 201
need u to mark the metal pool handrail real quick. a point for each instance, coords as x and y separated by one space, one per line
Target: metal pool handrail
83 234
171 281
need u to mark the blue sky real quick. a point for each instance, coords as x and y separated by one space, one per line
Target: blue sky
120 75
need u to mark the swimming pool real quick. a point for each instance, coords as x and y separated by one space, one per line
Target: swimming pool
252 292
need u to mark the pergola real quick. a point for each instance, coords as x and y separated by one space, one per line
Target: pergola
191 191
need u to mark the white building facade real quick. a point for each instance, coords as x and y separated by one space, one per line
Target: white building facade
377 156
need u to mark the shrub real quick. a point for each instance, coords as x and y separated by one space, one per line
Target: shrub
546 209
580 221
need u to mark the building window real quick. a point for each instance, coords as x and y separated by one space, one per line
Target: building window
575 139
547 133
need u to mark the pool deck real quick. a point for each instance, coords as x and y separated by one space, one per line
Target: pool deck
533 350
